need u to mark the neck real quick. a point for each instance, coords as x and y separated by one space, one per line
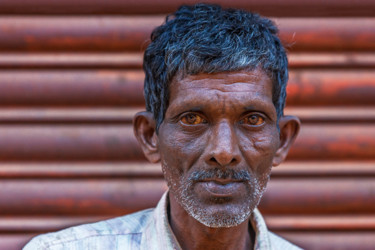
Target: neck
191 234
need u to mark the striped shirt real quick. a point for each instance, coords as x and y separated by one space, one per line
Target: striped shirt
145 230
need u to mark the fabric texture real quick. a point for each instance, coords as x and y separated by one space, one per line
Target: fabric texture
145 230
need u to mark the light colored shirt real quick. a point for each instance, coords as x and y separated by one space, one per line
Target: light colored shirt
145 230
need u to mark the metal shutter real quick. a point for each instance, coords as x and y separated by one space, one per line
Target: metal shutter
71 79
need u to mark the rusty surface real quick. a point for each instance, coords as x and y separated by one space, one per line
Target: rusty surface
62 115
109 33
32 224
314 34
332 240
324 196
269 7
98 33
71 88
122 60
321 169
118 170
334 142
78 197
65 143
323 88
324 114
324 60
321 223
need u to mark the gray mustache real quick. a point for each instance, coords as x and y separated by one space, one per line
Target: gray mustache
240 175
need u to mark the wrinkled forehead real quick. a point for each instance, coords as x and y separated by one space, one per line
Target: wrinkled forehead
235 81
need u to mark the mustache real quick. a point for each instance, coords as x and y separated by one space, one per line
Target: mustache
218 173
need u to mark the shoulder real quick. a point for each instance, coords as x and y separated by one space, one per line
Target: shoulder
102 235
280 243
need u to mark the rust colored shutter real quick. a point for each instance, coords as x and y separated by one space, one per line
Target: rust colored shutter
71 80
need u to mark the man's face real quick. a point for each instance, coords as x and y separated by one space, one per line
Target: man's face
217 143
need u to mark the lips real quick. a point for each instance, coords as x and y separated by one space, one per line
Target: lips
222 188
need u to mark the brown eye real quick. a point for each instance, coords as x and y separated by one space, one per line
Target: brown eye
192 119
253 120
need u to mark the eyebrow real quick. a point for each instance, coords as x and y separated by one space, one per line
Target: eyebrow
182 108
258 106
186 106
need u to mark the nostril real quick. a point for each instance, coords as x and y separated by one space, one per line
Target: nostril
213 159
216 161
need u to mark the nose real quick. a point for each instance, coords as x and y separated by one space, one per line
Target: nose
223 149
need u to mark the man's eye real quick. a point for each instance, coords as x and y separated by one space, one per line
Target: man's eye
192 119
253 120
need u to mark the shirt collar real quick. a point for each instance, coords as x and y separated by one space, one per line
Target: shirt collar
262 240
159 233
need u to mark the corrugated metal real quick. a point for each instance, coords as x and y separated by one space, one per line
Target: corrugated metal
267 7
117 33
71 80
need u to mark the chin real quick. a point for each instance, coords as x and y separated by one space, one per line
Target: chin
220 213
222 218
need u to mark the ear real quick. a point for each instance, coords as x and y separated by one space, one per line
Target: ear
144 126
289 128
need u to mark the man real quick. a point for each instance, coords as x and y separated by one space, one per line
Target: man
215 92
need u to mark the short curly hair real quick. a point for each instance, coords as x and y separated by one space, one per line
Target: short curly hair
206 38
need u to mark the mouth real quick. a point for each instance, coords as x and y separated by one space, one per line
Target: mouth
221 187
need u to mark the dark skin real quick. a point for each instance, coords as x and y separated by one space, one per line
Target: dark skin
224 121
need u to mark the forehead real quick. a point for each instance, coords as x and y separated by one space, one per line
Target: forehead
243 87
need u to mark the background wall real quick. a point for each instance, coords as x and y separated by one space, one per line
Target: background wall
71 80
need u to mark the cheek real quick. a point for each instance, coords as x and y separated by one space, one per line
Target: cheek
266 145
259 148
180 150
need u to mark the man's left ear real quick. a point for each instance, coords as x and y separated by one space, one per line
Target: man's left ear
289 128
